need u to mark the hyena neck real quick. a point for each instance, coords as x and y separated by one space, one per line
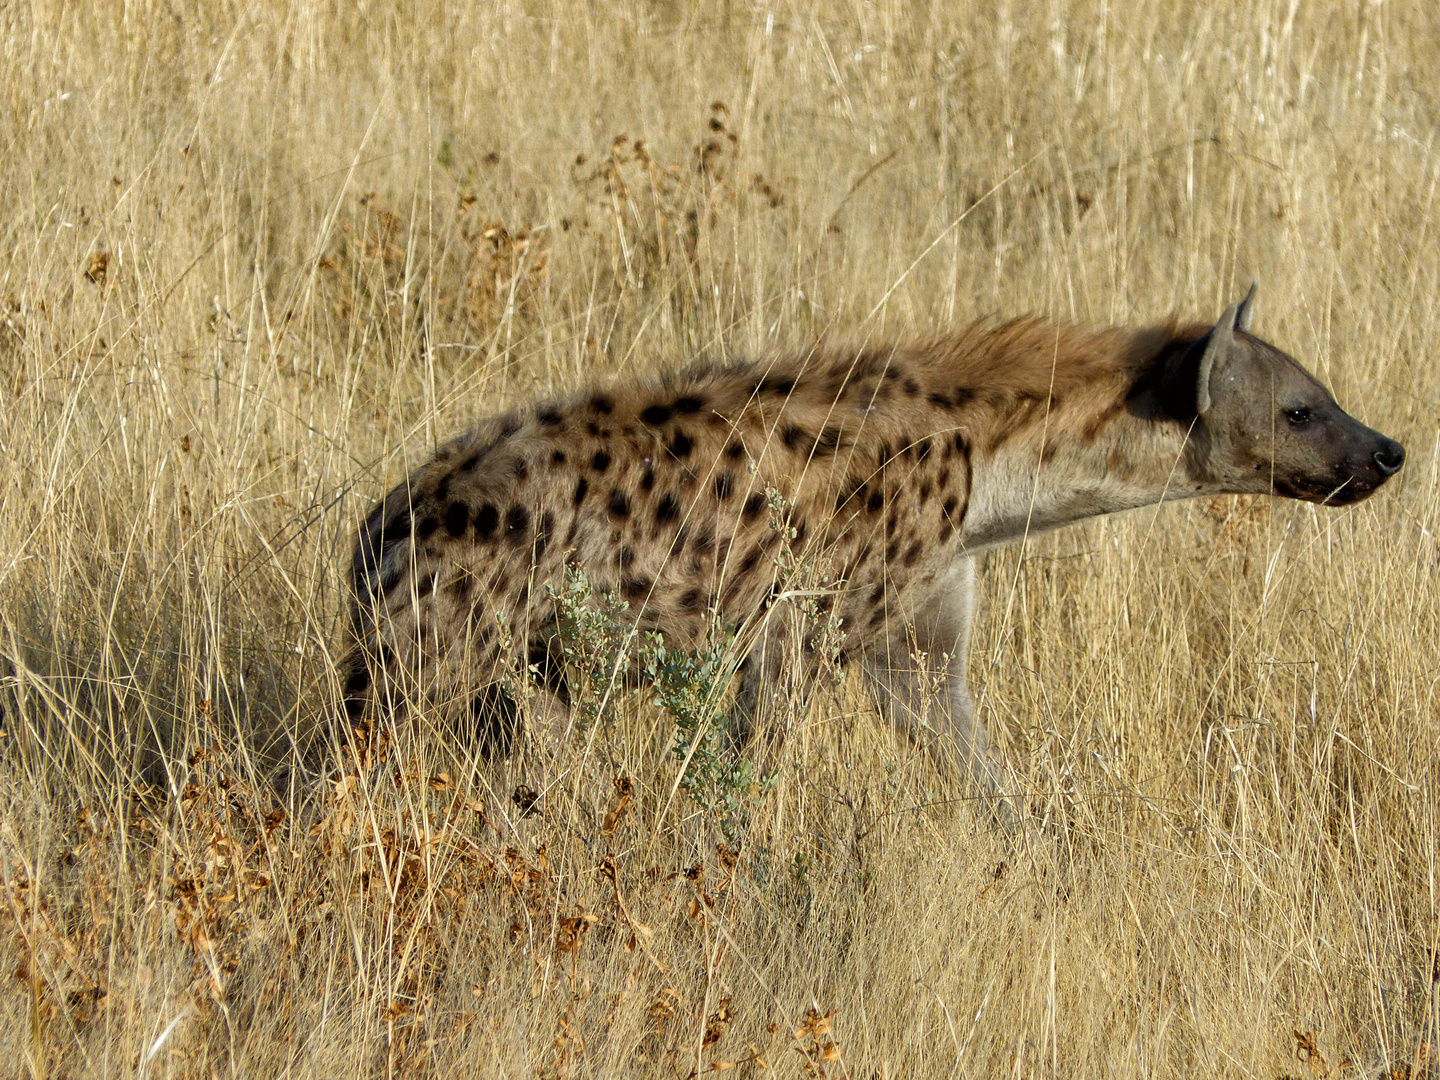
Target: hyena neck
1128 446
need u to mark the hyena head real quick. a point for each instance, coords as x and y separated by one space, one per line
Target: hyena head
1268 425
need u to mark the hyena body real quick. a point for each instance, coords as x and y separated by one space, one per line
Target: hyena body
891 467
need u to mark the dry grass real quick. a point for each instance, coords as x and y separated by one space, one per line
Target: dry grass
254 263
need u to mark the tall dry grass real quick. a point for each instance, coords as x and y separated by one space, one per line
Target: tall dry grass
256 260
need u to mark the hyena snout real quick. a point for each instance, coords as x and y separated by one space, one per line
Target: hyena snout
1372 459
1389 457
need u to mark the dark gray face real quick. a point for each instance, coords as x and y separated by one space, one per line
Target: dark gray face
1273 428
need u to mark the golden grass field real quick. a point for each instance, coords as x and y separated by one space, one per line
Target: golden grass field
256 262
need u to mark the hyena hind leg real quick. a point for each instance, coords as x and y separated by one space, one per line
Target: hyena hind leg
930 701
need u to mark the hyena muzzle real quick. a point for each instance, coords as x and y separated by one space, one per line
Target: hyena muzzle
890 466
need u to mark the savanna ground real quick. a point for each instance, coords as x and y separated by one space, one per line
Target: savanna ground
257 260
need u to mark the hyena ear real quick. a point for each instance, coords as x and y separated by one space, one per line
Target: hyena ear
1217 344
1246 309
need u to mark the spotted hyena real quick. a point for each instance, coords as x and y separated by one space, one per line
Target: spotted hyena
893 466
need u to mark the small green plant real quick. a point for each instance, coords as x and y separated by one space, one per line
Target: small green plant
596 638
689 686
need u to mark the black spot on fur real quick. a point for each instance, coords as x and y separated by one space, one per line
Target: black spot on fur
924 490
922 450
689 601
852 490
655 415
724 484
602 404
949 508
913 555
395 531
425 586
457 518
647 479
735 450
522 469
427 526
469 463
751 560
781 387
549 416
486 519
681 445
557 458
688 404
619 505
963 395
636 588
877 594
877 617
509 427
940 399
754 507
624 558
912 388
704 540
667 510
517 524
828 442
601 461
961 444
582 488
876 502
795 436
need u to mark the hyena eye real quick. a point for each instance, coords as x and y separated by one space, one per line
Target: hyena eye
1298 417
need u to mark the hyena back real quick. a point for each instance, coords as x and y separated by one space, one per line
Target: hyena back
891 466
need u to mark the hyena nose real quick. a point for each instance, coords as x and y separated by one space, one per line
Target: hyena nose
1390 457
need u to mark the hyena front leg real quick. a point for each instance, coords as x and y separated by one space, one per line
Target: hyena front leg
930 700
778 676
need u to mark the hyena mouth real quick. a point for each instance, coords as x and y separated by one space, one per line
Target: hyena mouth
1306 489
1351 491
